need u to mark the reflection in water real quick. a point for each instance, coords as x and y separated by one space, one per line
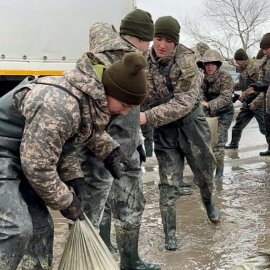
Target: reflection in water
243 196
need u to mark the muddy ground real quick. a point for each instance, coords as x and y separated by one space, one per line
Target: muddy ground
243 197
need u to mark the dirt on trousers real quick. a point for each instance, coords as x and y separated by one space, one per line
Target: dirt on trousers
243 196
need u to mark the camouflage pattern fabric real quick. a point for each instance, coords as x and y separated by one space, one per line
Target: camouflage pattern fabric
186 87
181 129
217 90
248 73
108 47
54 121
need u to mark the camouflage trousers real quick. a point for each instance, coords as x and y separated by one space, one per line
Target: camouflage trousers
26 228
186 138
225 118
124 197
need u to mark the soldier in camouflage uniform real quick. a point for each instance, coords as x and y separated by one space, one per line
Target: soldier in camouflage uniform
181 130
217 89
43 122
126 196
249 73
262 85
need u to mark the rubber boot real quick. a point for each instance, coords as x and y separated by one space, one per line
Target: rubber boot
168 216
265 153
212 211
219 169
105 233
236 136
127 241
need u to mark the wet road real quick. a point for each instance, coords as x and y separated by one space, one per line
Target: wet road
243 197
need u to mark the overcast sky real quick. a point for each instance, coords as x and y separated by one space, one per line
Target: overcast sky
175 8
178 9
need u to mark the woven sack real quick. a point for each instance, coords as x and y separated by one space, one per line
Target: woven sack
85 250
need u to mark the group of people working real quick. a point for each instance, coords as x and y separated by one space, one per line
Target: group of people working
73 142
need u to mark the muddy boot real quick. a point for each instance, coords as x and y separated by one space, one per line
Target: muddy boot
168 216
265 153
236 135
127 241
105 233
212 211
219 169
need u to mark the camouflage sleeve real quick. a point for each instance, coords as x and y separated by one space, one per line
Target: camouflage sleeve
186 93
225 97
102 144
70 168
254 73
50 121
258 101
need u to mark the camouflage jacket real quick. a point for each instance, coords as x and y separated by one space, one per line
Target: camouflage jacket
162 105
263 100
54 119
108 47
217 90
249 73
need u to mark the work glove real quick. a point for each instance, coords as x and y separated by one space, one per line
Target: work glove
74 211
259 87
78 186
113 163
141 153
235 97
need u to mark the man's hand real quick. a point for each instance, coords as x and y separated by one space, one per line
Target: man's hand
252 106
113 163
143 119
205 105
78 186
142 154
259 87
235 97
250 90
74 211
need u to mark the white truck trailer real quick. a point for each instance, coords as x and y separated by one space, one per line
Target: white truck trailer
47 37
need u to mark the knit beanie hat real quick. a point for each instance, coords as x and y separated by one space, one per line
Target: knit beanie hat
125 80
167 27
138 23
265 42
260 54
240 54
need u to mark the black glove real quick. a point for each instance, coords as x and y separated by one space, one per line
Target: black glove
142 154
78 186
259 87
74 211
112 163
235 97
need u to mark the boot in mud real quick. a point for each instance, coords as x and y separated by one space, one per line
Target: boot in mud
212 212
105 234
168 216
127 241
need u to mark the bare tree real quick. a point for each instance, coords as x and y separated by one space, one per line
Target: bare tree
227 25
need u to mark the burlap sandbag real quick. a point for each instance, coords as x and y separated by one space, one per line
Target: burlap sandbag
85 250
213 124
